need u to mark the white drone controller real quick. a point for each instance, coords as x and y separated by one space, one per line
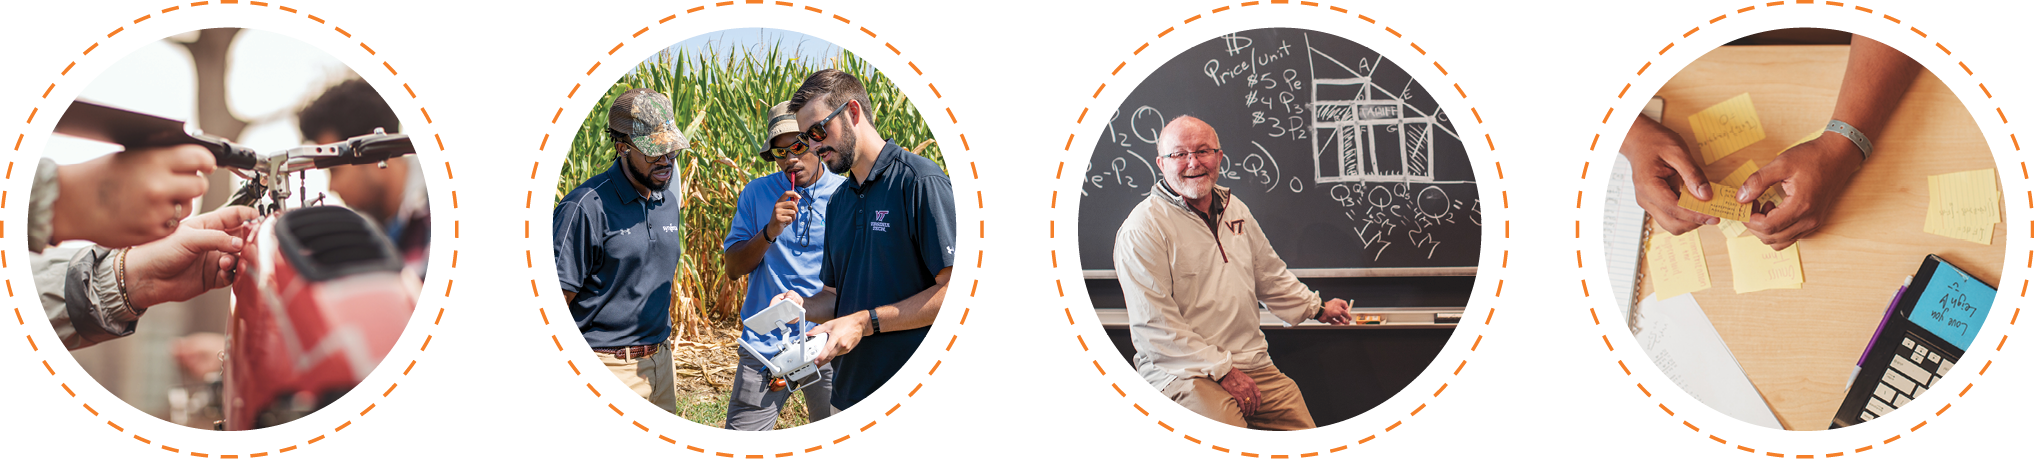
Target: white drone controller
790 361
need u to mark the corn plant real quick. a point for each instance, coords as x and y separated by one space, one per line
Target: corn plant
722 100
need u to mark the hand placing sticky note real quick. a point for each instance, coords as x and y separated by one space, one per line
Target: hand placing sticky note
1734 228
1754 266
1676 264
1726 127
1721 204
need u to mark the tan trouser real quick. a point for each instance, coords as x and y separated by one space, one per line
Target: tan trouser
651 376
1283 408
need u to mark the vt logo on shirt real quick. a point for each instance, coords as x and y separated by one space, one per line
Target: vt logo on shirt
879 225
670 228
1236 226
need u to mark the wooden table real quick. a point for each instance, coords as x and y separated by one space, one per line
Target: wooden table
1799 346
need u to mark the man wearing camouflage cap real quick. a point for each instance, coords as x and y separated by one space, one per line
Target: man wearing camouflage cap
616 241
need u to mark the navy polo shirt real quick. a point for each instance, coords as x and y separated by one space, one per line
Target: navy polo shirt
887 238
618 250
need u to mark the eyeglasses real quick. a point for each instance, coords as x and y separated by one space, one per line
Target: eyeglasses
1196 154
793 152
817 133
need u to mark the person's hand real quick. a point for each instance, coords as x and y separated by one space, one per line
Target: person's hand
130 197
1812 174
1334 312
782 216
1243 389
842 335
199 257
1660 160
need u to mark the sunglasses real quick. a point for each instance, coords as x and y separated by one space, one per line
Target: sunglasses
817 133
664 159
794 151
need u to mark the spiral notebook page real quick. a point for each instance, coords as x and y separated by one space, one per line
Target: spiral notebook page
1624 224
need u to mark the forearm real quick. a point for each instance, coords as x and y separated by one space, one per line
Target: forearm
819 308
1644 132
744 256
919 310
1875 79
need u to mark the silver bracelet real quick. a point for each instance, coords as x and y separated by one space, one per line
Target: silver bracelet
1850 132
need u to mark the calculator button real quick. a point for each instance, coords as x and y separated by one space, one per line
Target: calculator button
1875 407
1908 368
1898 382
1884 392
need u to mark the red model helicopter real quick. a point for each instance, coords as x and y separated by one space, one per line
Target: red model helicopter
320 296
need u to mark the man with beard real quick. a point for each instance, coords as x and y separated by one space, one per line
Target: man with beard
775 238
616 241
889 252
1194 265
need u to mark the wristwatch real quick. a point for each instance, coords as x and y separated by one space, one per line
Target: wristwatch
1850 132
875 325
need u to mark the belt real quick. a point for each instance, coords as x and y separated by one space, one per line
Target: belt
629 352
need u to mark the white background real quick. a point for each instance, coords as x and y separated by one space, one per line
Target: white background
1016 382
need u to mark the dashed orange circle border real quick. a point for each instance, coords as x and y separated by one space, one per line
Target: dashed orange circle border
543 313
1109 351
1970 77
20 320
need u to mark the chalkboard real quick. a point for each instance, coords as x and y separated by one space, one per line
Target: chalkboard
1350 165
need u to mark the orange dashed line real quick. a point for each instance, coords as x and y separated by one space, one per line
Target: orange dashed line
1167 427
1690 32
406 86
914 390
1718 18
841 19
1918 32
865 428
893 49
1642 389
413 366
391 388
315 18
1162 34
1192 19
315 440
693 10
866 31
1098 367
1744 10
343 32
170 449
617 47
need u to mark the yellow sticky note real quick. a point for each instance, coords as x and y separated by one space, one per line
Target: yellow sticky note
1754 266
1734 228
1963 205
1676 264
1933 223
1726 127
1721 204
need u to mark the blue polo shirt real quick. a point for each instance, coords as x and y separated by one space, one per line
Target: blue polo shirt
618 251
792 263
891 236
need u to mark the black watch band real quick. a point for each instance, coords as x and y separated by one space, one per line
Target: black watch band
875 324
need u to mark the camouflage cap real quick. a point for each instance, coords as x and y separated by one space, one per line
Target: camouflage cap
645 117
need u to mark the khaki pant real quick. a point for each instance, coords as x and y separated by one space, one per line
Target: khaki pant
651 376
1283 408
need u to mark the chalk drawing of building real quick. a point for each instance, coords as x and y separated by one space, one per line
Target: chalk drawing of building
1364 132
